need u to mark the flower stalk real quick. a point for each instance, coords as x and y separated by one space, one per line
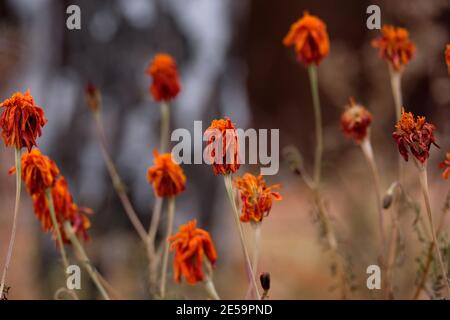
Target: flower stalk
312 72
170 218
85 260
231 198
15 218
209 283
165 126
425 191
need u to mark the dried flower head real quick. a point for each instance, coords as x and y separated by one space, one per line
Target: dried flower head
21 121
395 46
166 83
447 57
65 210
446 166
191 245
355 121
414 135
93 97
39 172
166 176
309 38
223 146
256 197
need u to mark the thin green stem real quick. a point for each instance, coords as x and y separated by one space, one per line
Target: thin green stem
15 218
85 260
165 126
426 195
117 181
209 283
62 251
312 71
170 218
229 188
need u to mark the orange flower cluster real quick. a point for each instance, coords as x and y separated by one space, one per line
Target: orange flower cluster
228 161
447 57
395 46
446 166
166 176
310 39
355 121
256 197
191 245
166 83
21 121
65 210
39 172
415 136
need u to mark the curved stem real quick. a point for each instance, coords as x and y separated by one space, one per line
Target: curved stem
256 250
85 260
165 126
15 218
312 71
426 196
170 218
366 147
229 187
62 251
117 181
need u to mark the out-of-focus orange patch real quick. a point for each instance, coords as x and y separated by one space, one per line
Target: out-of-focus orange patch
256 197
355 121
21 121
414 135
395 46
228 161
65 210
191 245
309 38
166 176
446 166
447 57
166 83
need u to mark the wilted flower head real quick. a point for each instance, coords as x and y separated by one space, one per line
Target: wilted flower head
21 121
415 136
65 210
93 97
264 279
39 172
224 153
447 57
191 245
446 166
166 84
395 46
256 197
309 37
166 176
355 121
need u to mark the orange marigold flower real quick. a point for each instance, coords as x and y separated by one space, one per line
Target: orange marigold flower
224 153
447 57
256 197
415 136
310 39
21 121
65 210
166 83
39 172
191 244
446 166
355 121
166 176
395 46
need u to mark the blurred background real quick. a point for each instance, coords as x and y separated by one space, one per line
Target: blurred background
232 62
